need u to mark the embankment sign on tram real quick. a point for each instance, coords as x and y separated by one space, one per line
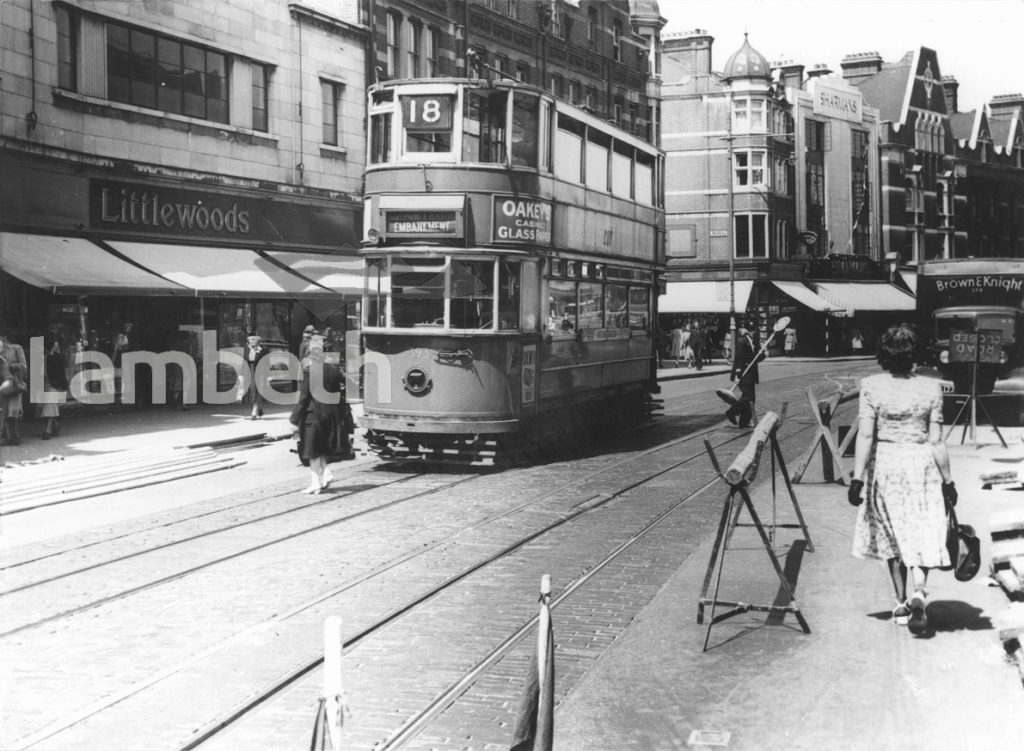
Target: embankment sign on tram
522 220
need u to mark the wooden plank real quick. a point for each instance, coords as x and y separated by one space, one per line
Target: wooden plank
1010 622
1003 551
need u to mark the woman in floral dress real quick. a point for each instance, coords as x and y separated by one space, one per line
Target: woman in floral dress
904 464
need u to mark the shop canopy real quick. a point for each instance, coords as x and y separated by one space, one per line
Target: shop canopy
704 297
865 296
226 272
803 295
342 275
75 266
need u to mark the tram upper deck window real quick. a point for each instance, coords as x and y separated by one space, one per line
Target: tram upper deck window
568 152
380 126
484 115
417 292
644 178
427 122
597 149
525 110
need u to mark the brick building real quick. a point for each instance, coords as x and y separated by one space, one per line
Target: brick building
598 54
769 201
178 166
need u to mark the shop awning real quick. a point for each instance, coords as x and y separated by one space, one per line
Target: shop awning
864 296
236 272
703 297
75 266
910 279
803 295
341 274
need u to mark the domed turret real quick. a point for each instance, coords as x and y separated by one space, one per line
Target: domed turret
747 62
645 11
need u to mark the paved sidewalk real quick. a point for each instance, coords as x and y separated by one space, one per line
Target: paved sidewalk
857 681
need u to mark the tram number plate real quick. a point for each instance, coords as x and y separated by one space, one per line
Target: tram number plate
427 113
985 345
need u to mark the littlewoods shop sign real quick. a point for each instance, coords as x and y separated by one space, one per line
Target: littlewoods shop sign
167 210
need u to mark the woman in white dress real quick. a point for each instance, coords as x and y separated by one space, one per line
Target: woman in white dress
903 463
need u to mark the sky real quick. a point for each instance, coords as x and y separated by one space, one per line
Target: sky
977 42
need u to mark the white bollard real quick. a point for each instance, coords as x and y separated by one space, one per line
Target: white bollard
333 692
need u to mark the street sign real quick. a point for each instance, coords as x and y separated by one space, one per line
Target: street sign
964 345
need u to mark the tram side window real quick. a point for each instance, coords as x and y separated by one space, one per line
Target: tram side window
598 146
622 170
644 178
616 297
509 286
591 306
417 292
380 138
483 126
639 308
561 307
472 301
376 292
524 129
568 151
427 120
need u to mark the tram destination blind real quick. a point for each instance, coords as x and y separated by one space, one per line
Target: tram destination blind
983 346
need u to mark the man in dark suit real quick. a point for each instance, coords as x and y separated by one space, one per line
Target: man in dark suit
744 368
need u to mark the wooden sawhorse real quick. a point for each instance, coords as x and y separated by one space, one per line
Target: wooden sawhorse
739 476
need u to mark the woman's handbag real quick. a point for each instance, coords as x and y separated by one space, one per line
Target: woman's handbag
964 547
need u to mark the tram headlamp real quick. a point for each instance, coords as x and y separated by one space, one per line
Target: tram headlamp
373 236
416 381
944 356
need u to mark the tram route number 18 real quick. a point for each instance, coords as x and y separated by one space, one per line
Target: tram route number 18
985 345
427 113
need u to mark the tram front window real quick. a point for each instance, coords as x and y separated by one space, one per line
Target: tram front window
472 303
483 126
427 120
524 130
417 292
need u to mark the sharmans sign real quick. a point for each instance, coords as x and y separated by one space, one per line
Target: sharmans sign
521 220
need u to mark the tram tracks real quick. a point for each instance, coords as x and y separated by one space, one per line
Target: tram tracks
210 735
278 621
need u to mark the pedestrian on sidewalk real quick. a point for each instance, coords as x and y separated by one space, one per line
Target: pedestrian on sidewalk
677 341
55 380
697 340
744 369
789 341
254 352
903 462
318 420
11 404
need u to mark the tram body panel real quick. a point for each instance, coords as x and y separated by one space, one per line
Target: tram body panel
473 382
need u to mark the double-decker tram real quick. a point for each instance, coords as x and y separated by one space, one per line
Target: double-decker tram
976 310
512 249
